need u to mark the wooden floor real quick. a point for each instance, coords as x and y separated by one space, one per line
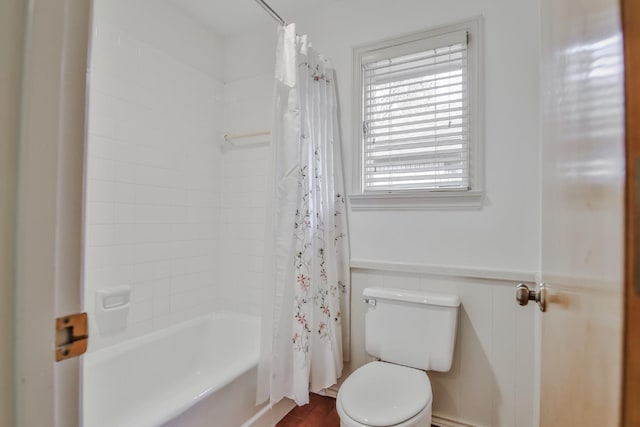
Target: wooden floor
320 412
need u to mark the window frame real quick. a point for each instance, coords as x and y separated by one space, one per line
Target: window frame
424 198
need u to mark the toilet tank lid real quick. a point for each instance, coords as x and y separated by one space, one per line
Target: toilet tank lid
428 298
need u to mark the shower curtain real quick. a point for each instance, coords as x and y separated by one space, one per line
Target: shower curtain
307 265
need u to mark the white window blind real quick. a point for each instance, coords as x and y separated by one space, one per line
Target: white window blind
416 116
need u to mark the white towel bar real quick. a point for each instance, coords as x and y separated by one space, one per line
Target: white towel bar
230 138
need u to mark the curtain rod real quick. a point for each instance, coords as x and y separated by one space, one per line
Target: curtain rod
271 12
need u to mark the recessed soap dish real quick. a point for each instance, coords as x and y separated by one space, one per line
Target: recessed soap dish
112 309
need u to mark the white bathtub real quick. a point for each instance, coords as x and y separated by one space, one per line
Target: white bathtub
209 362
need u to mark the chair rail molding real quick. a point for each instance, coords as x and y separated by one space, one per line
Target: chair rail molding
506 277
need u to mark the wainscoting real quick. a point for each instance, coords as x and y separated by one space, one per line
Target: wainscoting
492 380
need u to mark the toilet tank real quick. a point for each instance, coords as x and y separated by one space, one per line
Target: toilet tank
411 328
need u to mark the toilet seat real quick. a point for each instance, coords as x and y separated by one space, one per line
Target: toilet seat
383 394
423 419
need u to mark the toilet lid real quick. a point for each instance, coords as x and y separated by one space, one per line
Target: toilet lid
383 394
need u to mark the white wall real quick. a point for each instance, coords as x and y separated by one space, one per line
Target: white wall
11 29
504 233
153 164
250 55
160 24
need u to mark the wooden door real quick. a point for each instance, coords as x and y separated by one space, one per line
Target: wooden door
631 399
50 191
582 245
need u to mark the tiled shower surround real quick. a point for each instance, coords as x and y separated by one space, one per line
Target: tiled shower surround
244 191
172 212
169 212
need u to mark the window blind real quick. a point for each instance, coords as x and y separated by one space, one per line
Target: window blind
416 117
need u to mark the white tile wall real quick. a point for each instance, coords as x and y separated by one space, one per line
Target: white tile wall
153 181
488 384
244 190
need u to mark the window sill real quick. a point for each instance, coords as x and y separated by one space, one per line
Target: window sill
417 200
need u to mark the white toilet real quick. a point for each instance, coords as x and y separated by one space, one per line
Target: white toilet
409 332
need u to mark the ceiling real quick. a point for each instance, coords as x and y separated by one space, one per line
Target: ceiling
230 17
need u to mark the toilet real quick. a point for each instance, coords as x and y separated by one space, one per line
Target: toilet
409 333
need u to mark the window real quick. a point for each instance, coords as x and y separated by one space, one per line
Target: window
418 127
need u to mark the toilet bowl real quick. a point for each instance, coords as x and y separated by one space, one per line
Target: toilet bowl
383 394
409 333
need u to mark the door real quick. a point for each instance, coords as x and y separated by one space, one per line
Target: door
582 257
631 25
49 225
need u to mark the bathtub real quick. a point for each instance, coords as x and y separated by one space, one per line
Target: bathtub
201 372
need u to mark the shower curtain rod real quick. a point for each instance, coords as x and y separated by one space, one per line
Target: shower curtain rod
271 12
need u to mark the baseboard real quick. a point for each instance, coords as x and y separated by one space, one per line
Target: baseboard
445 422
329 392
269 416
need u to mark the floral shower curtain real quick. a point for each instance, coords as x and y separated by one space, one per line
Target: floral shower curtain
307 265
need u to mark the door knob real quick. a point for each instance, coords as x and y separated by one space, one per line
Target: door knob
524 295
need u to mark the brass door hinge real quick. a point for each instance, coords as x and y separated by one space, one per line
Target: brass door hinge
72 336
